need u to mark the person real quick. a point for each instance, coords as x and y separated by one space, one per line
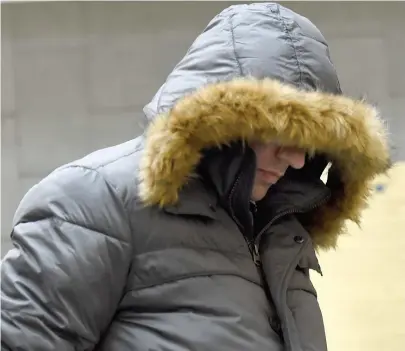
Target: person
201 233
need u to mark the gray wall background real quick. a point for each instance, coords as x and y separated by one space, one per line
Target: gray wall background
75 75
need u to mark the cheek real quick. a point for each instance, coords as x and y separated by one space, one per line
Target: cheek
260 159
265 156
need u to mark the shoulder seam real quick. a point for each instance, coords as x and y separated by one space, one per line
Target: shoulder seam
233 44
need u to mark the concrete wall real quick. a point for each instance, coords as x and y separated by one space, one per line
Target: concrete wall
362 291
75 75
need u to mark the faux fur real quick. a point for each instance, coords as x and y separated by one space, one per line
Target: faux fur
347 130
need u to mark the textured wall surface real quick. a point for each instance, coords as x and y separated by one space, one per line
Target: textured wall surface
75 76
362 291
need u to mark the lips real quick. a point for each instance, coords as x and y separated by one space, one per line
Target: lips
270 176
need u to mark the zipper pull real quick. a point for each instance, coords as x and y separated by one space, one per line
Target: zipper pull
256 255
253 207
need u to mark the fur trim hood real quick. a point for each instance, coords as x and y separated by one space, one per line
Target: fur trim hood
348 131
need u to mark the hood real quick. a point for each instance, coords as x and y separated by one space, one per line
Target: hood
263 72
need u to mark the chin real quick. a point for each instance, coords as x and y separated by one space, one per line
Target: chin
259 194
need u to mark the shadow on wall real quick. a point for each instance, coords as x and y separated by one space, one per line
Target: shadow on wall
362 292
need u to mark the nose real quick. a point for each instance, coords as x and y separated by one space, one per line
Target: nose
293 156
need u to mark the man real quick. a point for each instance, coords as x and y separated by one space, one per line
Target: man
200 234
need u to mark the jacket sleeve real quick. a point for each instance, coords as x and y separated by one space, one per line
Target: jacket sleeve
62 281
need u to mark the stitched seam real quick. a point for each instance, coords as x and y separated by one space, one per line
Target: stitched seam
101 166
203 249
234 45
64 221
113 188
302 33
62 333
95 231
288 33
137 149
189 276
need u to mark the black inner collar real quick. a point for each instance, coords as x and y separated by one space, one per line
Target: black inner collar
230 171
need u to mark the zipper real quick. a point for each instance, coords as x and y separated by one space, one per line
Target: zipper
255 244
256 255
229 199
253 251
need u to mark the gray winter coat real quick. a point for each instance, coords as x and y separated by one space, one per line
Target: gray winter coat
152 245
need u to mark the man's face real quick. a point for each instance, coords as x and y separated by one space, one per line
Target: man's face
272 161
